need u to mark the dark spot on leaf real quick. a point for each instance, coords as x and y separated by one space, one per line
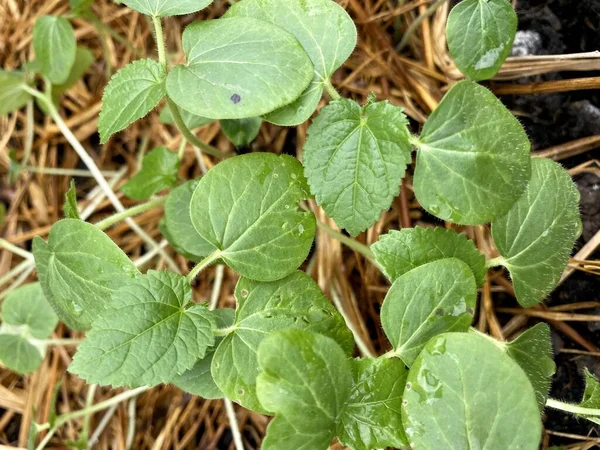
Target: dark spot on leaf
235 98
471 311
439 312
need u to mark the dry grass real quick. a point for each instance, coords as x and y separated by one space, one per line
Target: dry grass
166 418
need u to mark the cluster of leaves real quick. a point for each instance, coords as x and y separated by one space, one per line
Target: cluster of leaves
284 350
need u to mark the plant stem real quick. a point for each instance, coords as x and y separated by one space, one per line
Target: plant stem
93 168
134 211
348 241
28 134
66 172
333 93
202 265
89 401
555 404
160 41
191 137
362 346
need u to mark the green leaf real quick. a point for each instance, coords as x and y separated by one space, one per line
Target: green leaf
55 47
198 380
12 94
532 350
400 251
591 395
27 319
79 268
165 8
192 121
151 332
373 416
434 298
463 392
480 35
241 132
178 227
327 34
473 161
537 235
84 59
158 172
131 93
246 76
294 302
246 207
70 206
305 380
355 158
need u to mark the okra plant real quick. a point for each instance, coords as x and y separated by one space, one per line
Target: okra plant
285 350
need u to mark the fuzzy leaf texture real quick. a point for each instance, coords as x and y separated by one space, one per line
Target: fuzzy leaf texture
198 380
400 251
247 209
55 47
532 350
305 381
246 75
177 224
355 158
158 172
473 159
241 132
325 31
372 417
70 206
480 35
79 268
131 93
191 121
150 332
12 94
27 318
262 308
434 298
165 8
463 392
537 235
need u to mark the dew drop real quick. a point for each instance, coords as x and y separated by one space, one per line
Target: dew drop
434 209
301 229
408 386
77 308
244 293
241 392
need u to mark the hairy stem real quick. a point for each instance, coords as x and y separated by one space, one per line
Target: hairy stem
574 409
134 211
191 137
202 265
160 41
348 241
331 91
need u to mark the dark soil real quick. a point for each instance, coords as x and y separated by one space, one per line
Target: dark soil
559 27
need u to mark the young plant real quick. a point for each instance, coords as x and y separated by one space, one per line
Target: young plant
285 350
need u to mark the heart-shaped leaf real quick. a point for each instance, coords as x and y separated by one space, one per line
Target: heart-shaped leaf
55 47
79 268
131 93
434 298
12 94
537 235
151 332
247 208
480 35
355 158
463 392
473 158
326 32
244 76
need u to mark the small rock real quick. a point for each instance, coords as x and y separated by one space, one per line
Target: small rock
527 42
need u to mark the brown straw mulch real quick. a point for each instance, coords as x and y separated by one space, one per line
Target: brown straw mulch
415 78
